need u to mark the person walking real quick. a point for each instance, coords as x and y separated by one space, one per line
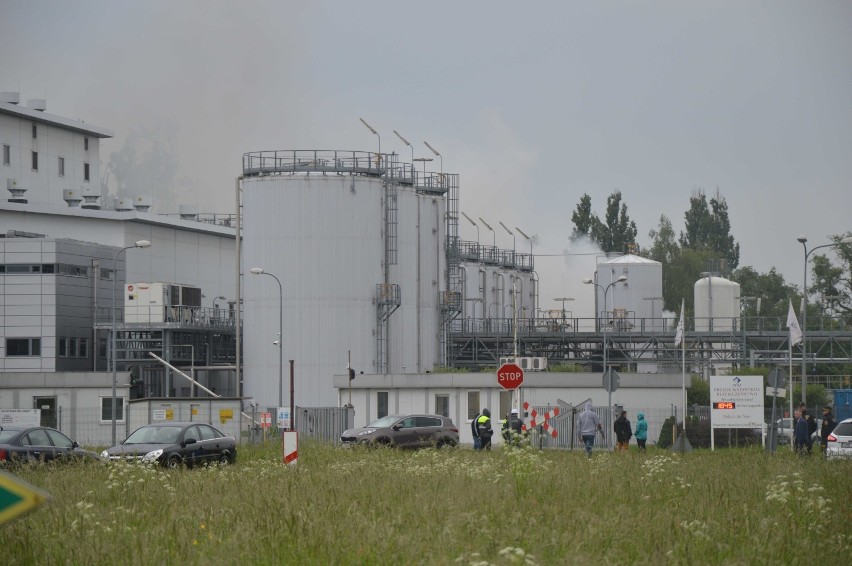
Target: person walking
477 442
828 424
641 431
623 432
588 424
483 429
512 428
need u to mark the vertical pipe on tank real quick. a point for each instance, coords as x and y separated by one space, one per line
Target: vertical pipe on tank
418 281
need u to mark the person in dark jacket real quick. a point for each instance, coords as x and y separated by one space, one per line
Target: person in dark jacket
477 442
828 424
512 429
483 430
623 432
801 436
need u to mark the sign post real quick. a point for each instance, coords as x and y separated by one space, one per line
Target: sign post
736 401
17 497
510 376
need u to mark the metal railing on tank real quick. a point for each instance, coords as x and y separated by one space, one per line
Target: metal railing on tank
315 160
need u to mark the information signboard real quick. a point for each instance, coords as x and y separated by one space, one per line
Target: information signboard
736 401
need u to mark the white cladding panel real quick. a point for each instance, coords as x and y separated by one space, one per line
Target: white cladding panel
323 237
631 300
718 300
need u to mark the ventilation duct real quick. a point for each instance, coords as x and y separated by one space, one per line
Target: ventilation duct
188 212
10 97
39 104
17 192
90 198
142 203
123 204
72 198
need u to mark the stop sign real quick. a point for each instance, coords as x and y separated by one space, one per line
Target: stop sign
510 376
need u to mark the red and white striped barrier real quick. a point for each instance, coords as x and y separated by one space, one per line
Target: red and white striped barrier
534 420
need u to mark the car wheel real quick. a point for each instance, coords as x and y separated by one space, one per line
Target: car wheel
224 459
384 442
174 461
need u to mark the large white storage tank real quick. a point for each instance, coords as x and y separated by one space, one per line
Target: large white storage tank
635 304
717 304
323 237
487 294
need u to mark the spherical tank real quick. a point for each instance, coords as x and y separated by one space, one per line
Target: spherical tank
717 304
324 238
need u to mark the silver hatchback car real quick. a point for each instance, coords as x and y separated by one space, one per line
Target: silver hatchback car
405 431
839 443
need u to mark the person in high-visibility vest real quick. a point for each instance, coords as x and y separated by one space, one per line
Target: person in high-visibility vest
483 429
512 428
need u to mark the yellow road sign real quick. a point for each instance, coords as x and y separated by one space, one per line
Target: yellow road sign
17 497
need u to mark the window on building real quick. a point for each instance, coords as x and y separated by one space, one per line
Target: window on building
86 144
35 161
61 166
505 403
83 348
102 347
106 274
48 268
442 405
62 348
23 347
72 347
472 404
381 404
7 154
35 131
85 171
106 409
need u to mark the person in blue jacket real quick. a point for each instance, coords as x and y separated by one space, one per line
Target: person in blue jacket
801 434
641 431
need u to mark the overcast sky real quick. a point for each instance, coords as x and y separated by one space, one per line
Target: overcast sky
532 104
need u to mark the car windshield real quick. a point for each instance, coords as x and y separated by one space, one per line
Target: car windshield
154 435
384 422
7 435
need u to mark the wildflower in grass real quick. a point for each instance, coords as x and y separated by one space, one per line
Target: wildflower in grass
697 529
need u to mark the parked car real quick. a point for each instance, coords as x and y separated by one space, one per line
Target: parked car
173 444
38 443
782 430
405 431
839 443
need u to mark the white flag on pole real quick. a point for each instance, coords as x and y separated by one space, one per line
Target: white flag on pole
793 325
679 333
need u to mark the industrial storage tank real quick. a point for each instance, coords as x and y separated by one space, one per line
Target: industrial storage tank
635 304
717 304
358 248
487 291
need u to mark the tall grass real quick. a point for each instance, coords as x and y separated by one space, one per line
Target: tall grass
339 506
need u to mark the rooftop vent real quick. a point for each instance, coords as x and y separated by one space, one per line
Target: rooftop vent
39 104
188 212
142 203
17 192
123 204
90 198
10 97
72 197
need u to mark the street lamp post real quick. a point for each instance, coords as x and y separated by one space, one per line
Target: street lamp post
261 271
494 234
605 290
804 241
379 156
440 157
405 141
513 239
138 244
475 225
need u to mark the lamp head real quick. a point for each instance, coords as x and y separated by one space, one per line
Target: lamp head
588 281
802 239
622 278
369 127
432 149
142 244
222 298
256 270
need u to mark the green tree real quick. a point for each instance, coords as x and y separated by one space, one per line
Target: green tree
583 218
707 226
832 281
774 293
617 230
698 392
664 247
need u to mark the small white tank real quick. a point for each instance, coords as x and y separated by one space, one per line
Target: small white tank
123 204
717 304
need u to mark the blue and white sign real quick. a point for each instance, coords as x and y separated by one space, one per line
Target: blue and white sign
284 417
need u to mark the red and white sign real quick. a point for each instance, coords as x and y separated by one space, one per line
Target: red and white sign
510 376
544 421
265 419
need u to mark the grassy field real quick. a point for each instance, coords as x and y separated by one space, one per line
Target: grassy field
340 506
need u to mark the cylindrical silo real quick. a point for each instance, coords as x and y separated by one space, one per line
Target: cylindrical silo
361 262
635 304
717 304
